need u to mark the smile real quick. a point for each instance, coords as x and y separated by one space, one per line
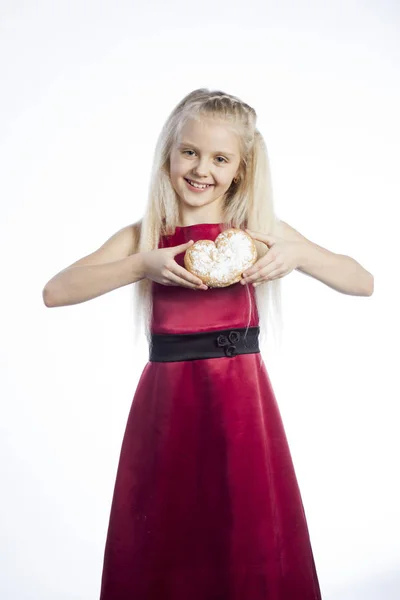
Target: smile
198 186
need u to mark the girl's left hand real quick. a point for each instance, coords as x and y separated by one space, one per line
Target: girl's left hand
280 260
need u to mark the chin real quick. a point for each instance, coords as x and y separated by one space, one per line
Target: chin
194 202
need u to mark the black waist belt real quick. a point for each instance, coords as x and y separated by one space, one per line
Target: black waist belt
209 344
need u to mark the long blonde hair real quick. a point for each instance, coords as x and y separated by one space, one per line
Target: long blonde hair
248 202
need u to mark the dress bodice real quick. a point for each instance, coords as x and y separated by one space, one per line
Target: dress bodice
177 309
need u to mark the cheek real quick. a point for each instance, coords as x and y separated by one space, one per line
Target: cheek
227 178
177 168
173 170
176 172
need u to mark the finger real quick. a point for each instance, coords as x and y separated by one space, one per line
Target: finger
187 276
176 280
181 248
271 276
260 274
275 274
262 237
257 271
260 264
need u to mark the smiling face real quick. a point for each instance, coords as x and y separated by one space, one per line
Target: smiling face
203 162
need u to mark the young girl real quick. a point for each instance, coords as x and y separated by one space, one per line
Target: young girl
206 504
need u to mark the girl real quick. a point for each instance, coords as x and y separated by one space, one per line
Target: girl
206 504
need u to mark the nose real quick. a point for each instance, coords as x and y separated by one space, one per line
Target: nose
201 169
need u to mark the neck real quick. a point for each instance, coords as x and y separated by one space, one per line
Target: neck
204 214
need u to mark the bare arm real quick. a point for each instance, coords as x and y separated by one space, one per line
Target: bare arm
113 265
338 271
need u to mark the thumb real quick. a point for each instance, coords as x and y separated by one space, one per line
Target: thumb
266 239
182 248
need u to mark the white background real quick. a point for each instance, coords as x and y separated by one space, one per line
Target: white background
85 89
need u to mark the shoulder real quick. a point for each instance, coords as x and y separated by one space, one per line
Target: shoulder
120 244
126 239
288 233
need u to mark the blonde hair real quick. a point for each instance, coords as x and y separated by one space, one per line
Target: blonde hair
248 202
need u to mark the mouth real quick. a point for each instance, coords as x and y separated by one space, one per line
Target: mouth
198 186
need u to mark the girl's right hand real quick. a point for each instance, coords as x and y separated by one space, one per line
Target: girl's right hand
160 266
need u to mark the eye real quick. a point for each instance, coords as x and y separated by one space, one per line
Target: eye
223 159
186 151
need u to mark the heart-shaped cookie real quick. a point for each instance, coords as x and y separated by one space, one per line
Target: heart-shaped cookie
221 263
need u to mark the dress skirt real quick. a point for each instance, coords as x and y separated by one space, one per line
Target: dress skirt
206 504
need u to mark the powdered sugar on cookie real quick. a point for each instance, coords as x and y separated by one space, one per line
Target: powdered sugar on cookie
221 263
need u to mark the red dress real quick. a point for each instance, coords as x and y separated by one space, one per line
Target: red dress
206 504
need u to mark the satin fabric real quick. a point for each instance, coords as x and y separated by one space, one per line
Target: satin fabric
206 504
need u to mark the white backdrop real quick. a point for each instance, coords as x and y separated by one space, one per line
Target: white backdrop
85 89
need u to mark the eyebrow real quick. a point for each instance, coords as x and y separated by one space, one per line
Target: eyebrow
181 144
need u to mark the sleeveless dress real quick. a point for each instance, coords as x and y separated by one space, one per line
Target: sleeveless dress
206 504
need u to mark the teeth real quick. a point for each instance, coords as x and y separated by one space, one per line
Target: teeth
197 185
